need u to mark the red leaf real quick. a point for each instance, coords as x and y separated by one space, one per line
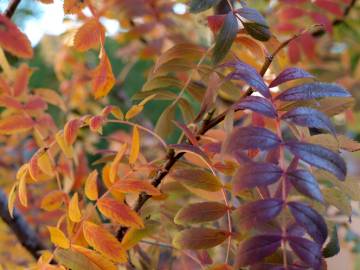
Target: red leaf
13 40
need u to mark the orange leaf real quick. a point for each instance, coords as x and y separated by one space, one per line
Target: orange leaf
70 130
74 210
51 97
58 238
95 257
136 186
134 111
11 200
119 213
21 80
52 200
15 124
67 149
13 40
22 190
10 102
103 77
104 242
89 35
115 164
91 190
135 146
73 6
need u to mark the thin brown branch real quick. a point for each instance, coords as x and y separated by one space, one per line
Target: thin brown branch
9 12
24 233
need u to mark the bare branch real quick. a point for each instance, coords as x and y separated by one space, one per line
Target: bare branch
9 12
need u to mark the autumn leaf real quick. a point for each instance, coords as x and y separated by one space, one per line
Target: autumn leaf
73 6
135 146
115 164
70 131
13 40
95 257
89 35
91 189
23 190
104 242
66 148
11 200
74 260
52 200
119 213
58 238
135 186
16 123
74 210
103 77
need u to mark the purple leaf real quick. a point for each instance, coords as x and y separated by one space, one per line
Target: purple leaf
311 220
257 248
308 117
308 251
290 74
319 157
252 138
248 74
258 212
313 90
187 148
305 183
225 37
295 229
257 104
256 174
252 15
269 266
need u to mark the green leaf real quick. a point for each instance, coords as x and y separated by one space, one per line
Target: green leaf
164 125
200 212
337 198
257 31
197 6
199 238
225 37
332 248
197 178
74 260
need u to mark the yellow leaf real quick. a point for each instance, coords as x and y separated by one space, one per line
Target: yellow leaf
45 164
51 97
74 210
67 149
104 242
135 146
74 260
95 257
11 200
91 190
103 77
58 238
52 200
115 164
119 213
22 191
134 111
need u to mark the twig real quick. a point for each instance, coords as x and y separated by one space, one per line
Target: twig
10 10
24 233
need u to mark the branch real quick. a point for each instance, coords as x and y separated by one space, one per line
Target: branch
24 233
9 12
336 22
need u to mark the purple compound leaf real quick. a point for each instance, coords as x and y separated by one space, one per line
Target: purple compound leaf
258 212
305 183
252 138
308 251
320 157
255 249
290 74
256 174
313 90
308 117
257 104
247 73
310 220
